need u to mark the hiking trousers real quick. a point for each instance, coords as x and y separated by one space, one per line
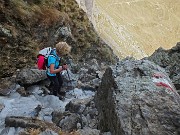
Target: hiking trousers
56 83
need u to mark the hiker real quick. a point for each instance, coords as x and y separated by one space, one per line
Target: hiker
53 68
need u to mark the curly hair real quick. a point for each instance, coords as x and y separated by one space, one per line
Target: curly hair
63 48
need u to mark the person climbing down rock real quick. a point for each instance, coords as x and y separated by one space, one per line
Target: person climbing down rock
54 70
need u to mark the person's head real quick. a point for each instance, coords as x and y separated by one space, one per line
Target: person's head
62 48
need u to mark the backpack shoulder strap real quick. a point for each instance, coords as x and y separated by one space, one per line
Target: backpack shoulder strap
46 59
51 55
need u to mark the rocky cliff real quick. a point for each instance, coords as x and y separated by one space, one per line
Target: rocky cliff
169 60
135 27
138 98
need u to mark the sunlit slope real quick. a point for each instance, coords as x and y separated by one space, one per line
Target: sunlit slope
137 27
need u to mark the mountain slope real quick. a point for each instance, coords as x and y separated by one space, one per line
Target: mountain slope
27 26
135 27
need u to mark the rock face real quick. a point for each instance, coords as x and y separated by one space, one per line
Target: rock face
137 97
7 85
169 59
135 28
30 76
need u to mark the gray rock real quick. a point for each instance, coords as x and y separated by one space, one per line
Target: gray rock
137 97
69 123
88 131
7 85
169 59
22 91
8 131
69 79
77 105
64 31
90 74
30 76
79 126
84 121
51 101
57 117
5 32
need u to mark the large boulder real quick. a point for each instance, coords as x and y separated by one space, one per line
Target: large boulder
136 97
30 76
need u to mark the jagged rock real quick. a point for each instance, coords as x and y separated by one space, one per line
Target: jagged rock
7 85
90 75
84 76
57 117
69 123
33 103
22 91
63 31
90 116
77 105
169 59
30 76
69 79
91 122
137 97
